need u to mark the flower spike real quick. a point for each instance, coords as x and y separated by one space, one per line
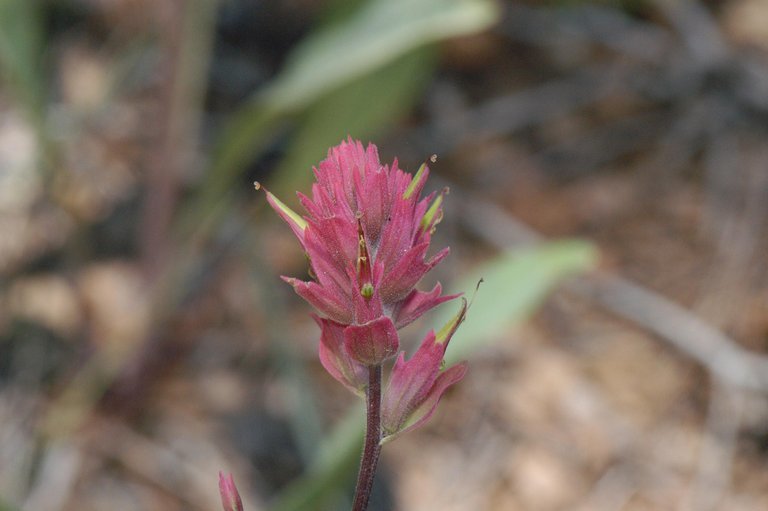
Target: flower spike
366 234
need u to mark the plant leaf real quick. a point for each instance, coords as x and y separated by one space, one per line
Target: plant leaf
21 52
514 285
359 109
334 468
378 33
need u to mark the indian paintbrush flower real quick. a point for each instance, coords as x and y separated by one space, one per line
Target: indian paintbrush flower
367 233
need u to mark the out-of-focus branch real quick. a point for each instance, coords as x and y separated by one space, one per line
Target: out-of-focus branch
186 50
680 328
672 323
164 163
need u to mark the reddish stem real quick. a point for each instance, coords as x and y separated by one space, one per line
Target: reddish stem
372 446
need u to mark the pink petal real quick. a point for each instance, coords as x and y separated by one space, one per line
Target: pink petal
373 342
331 244
293 219
419 302
416 385
336 360
322 299
374 194
419 210
230 497
406 273
396 235
410 382
314 209
426 409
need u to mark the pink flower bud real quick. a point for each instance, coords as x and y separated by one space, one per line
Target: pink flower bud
337 361
373 342
416 385
230 498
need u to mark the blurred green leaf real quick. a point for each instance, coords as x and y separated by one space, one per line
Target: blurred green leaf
6 507
22 69
515 284
248 133
333 471
360 109
380 31
21 50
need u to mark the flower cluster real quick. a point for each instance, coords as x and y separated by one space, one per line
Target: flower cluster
366 233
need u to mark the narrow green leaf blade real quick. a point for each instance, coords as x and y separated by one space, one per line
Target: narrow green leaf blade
21 51
514 285
336 463
378 33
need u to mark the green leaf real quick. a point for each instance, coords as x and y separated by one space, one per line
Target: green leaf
380 31
21 51
4 506
514 285
23 69
248 133
360 109
333 470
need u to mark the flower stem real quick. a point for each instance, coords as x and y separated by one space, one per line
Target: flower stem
372 446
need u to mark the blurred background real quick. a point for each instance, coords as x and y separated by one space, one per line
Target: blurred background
607 168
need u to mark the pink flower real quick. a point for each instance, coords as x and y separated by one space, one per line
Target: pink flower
230 498
336 360
416 385
366 233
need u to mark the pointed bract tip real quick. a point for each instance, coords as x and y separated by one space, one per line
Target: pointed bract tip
474 293
433 158
434 214
256 185
230 497
446 332
416 181
295 220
